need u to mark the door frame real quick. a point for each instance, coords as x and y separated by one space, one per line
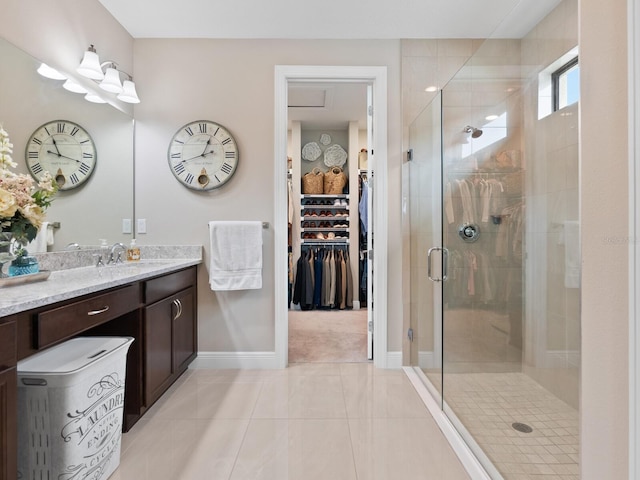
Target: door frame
377 77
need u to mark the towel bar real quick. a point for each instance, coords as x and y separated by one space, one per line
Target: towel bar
264 225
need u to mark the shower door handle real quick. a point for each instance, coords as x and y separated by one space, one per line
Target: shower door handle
445 263
429 252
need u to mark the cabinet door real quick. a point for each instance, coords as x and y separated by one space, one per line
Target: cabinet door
8 426
184 330
158 360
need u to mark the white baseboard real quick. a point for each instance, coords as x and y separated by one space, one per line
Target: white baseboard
426 360
394 359
239 360
259 360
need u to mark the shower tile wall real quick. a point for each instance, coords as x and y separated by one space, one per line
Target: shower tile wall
551 144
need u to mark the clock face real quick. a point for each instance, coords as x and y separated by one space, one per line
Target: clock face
203 155
65 150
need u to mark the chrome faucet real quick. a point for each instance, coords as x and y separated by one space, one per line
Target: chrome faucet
72 246
114 248
98 257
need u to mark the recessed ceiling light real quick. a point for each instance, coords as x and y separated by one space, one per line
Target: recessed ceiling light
491 117
431 88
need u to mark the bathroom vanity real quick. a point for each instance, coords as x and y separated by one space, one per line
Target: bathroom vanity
154 302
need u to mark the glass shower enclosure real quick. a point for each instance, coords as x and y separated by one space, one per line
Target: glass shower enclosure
494 278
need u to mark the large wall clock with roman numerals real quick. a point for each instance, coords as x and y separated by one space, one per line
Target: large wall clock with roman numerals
203 155
65 150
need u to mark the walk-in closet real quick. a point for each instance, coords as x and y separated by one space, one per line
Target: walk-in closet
328 219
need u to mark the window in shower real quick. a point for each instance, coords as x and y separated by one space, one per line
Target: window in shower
566 84
559 84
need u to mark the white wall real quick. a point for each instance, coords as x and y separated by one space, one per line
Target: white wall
231 82
604 219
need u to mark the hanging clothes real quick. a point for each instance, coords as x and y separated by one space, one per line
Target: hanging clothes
323 280
363 208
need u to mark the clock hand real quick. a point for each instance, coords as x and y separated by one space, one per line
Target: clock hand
203 154
64 156
55 145
206 145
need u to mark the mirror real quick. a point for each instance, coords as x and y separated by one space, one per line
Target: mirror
96 209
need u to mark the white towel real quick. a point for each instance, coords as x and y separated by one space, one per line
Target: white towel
39 244
236 255
571 253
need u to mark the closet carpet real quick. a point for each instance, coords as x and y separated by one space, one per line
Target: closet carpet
327 336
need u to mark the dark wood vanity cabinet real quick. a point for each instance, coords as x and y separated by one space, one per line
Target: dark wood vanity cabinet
169 331
159 313
8 394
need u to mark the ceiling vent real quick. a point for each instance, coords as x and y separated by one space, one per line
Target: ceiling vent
309 97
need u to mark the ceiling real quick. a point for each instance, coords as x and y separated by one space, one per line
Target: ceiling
329 19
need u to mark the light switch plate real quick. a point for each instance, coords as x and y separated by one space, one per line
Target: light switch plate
142 225
126 225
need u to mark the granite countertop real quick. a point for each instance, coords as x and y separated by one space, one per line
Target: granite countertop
65 284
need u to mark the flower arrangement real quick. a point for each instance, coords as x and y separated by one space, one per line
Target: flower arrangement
22 202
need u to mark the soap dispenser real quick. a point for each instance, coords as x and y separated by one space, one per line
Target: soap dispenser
133 252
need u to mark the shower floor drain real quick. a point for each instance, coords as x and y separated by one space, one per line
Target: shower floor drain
522 427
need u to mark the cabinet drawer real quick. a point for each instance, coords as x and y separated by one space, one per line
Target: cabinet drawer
162 287
8 338
69 320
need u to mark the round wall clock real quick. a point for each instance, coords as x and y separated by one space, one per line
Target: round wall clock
203 155
65 150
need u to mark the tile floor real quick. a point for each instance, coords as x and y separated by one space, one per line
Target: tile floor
324 421
488 403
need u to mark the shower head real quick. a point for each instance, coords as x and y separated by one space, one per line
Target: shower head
475 132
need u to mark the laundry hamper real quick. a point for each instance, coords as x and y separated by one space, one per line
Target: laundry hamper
70 409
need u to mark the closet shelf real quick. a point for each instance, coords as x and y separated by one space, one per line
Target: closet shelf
324 196
325 218
319 217
325 207
335 241
318 229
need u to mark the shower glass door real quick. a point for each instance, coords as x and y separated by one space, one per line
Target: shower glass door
494 270
483 233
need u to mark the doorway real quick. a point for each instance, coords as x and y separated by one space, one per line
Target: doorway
329 140
375 78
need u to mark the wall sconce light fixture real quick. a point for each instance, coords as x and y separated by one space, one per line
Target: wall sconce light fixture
109 79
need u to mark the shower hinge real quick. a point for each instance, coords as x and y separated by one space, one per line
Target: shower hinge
410 334
410 154
371 110
370 327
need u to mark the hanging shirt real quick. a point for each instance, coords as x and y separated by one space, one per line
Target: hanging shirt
363 208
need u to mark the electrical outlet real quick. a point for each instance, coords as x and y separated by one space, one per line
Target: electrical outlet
142 225
126 225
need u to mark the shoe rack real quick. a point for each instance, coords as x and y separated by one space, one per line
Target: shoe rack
324 219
